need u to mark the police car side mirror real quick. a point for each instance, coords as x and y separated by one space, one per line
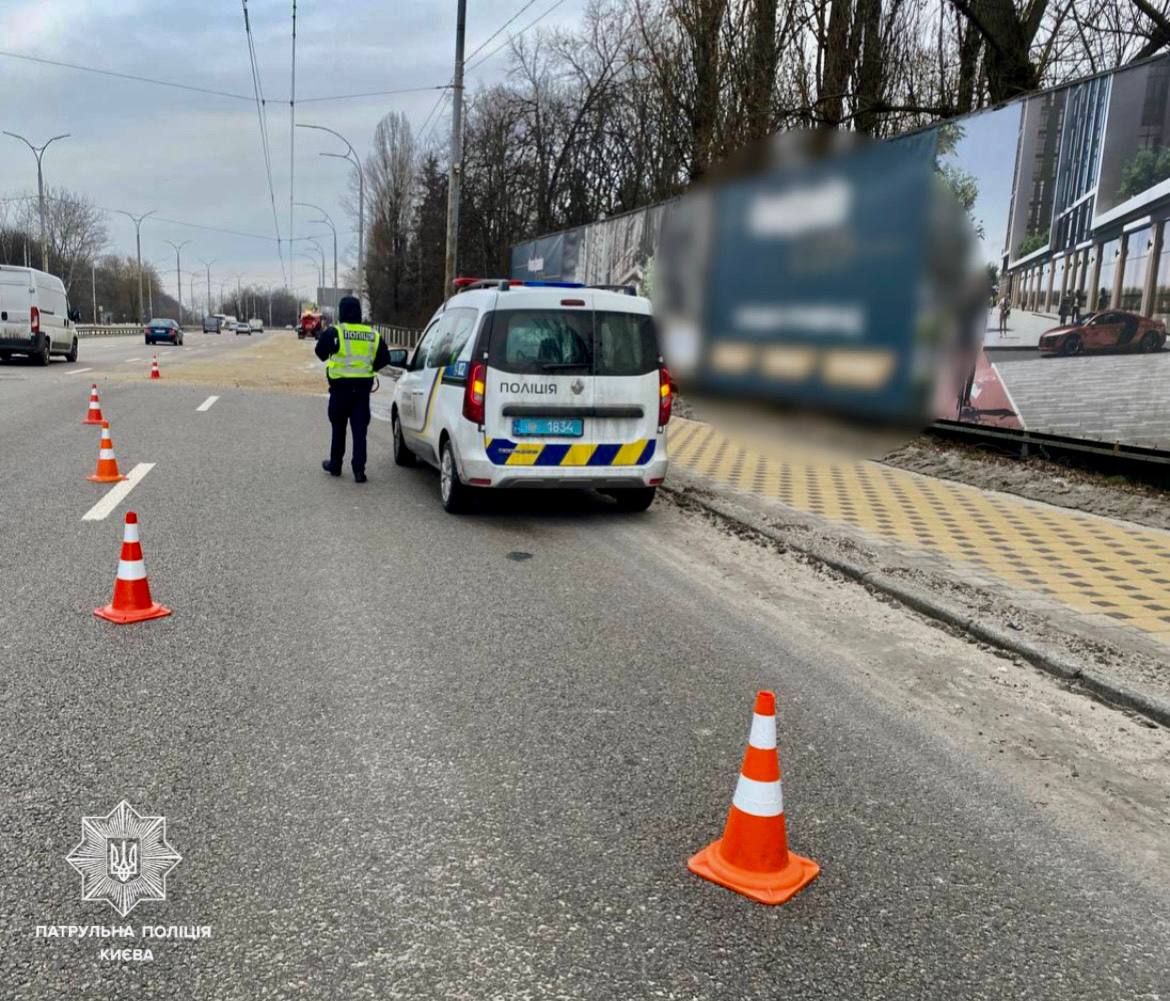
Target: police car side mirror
398 357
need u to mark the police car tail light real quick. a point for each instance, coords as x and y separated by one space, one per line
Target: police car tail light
34 319
474 393
665 395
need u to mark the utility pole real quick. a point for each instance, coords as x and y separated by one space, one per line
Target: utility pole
179 275
93 286
208 264
138 240
192 289
328 222
456 153
356 161
39 152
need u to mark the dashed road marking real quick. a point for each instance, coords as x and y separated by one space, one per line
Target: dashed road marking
131 361
78 371
206 404
118 492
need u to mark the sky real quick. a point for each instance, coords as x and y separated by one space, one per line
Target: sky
197 158
988 152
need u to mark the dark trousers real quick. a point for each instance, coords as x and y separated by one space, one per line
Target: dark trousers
349 403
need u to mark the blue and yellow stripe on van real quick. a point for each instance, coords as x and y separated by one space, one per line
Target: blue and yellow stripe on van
503 452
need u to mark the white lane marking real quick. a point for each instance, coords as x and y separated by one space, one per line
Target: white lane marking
117 493
131 361
206 404
78 371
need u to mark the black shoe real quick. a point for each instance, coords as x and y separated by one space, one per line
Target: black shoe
359 477
328 467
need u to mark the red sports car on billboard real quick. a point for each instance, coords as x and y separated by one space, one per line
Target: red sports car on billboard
1109 330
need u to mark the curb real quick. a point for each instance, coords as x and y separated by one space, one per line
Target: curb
1095 684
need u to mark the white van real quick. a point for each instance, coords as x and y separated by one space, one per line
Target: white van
34 316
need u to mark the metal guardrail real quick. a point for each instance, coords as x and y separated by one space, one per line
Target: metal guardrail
405 337
107 329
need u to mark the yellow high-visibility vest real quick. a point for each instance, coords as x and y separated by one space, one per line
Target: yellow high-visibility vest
357 344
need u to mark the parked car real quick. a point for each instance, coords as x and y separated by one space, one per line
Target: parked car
540 384
256 325
35 319
1112 330
163 330
243 328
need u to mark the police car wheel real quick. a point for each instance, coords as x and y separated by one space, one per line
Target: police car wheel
403 456
636 499
452 492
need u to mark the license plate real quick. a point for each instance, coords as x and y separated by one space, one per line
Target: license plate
548 427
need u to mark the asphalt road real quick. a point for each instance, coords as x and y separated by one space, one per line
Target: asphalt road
405 755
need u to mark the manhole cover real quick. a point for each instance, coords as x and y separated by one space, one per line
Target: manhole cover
519 556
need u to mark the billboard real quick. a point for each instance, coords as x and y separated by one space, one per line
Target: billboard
1068 193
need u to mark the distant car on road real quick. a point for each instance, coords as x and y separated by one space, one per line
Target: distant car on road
35 318
214 324
256 325
163 330
1111 330
243 328
537 384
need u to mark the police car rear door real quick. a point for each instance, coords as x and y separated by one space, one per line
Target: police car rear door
626 366
539 385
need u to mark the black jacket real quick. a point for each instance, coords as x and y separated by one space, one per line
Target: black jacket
327 344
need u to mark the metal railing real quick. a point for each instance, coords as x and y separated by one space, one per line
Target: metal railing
402 337
107 329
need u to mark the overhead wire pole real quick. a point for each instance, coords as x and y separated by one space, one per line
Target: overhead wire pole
179 274
292 128
456 167
39 152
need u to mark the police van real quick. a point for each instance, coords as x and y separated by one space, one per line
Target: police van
536 384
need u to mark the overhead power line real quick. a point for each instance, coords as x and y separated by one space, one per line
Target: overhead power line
262 118
511 38
372 93
123 76
495 34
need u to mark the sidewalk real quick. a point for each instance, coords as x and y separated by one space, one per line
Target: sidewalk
1093 578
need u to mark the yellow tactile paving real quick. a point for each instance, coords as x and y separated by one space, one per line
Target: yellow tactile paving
1089 564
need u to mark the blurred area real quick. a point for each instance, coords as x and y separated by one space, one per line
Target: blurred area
824 289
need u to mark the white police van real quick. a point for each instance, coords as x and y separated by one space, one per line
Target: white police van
536 384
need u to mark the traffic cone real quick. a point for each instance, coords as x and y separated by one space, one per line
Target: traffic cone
132 601
94 414
154 368
752 857
107 465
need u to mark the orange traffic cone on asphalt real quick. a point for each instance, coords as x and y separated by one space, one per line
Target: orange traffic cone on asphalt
752 857
154 368
94 414
107 464
132 601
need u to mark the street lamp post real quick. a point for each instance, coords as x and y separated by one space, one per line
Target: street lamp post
328 222
179 275
321 251
208 264
39 152
356 161
138 242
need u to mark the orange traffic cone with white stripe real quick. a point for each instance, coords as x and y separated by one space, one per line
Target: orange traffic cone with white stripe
752 857
154 374
132 601
107 464
94 414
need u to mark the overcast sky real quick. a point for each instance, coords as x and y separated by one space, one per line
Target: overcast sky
197 158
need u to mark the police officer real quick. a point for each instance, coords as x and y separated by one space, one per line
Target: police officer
352 352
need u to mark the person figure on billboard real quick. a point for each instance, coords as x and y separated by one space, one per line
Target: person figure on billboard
1005 310
1064 309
